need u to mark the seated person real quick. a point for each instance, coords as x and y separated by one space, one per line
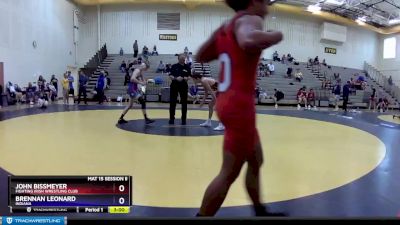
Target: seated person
263 95
161 67
145 51
154 52
168 68
289 72
10 89
290 58
283 59
52 92
298 75
311 99
316 61
42 101
275 56
193 94
123 66
278 96
301 97
324 63
310 62
18 93
326 83
30 93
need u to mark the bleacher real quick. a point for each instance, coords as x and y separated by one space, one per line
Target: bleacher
312 78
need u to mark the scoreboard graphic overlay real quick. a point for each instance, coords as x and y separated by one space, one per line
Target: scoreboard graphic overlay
72 194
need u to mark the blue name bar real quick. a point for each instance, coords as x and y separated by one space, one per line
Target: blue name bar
25 220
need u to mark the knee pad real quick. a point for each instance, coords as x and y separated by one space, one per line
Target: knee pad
142 102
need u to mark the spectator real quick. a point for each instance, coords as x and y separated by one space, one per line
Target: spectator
278 96
298 75
346 93
11 89
41 83
108 79
54 82
275 56
326 83
289 72
18 93
290 58
65 85
189 60
337 76
52 92
161 67
145 51
372 99
43 101
390 80
193 93
71 86
262 94
271 68
168 68
30 93
101 86
123 66
154 51
302 97
316 60
311 99
336 92
324 63
135 49
310 62
186 51
121 52
283 59
83 80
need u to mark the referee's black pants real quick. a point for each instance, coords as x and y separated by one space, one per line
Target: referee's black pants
176 88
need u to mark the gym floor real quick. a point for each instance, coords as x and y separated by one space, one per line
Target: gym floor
317 163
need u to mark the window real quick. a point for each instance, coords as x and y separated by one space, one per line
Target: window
389 48
168 21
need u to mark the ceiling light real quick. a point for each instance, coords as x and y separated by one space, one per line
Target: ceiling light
360 21
394 21
334 2
313 8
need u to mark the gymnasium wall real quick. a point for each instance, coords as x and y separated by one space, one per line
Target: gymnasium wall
122 24
389 66
50 24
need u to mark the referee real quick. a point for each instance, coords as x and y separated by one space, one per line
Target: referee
179 75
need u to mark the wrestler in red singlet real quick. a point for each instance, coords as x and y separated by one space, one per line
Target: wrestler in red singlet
238 45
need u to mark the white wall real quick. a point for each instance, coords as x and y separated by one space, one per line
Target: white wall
122 24
50 24
88 33
389 67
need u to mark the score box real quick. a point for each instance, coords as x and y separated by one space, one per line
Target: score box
69 191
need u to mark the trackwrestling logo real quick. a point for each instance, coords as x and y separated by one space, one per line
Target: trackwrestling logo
34 220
